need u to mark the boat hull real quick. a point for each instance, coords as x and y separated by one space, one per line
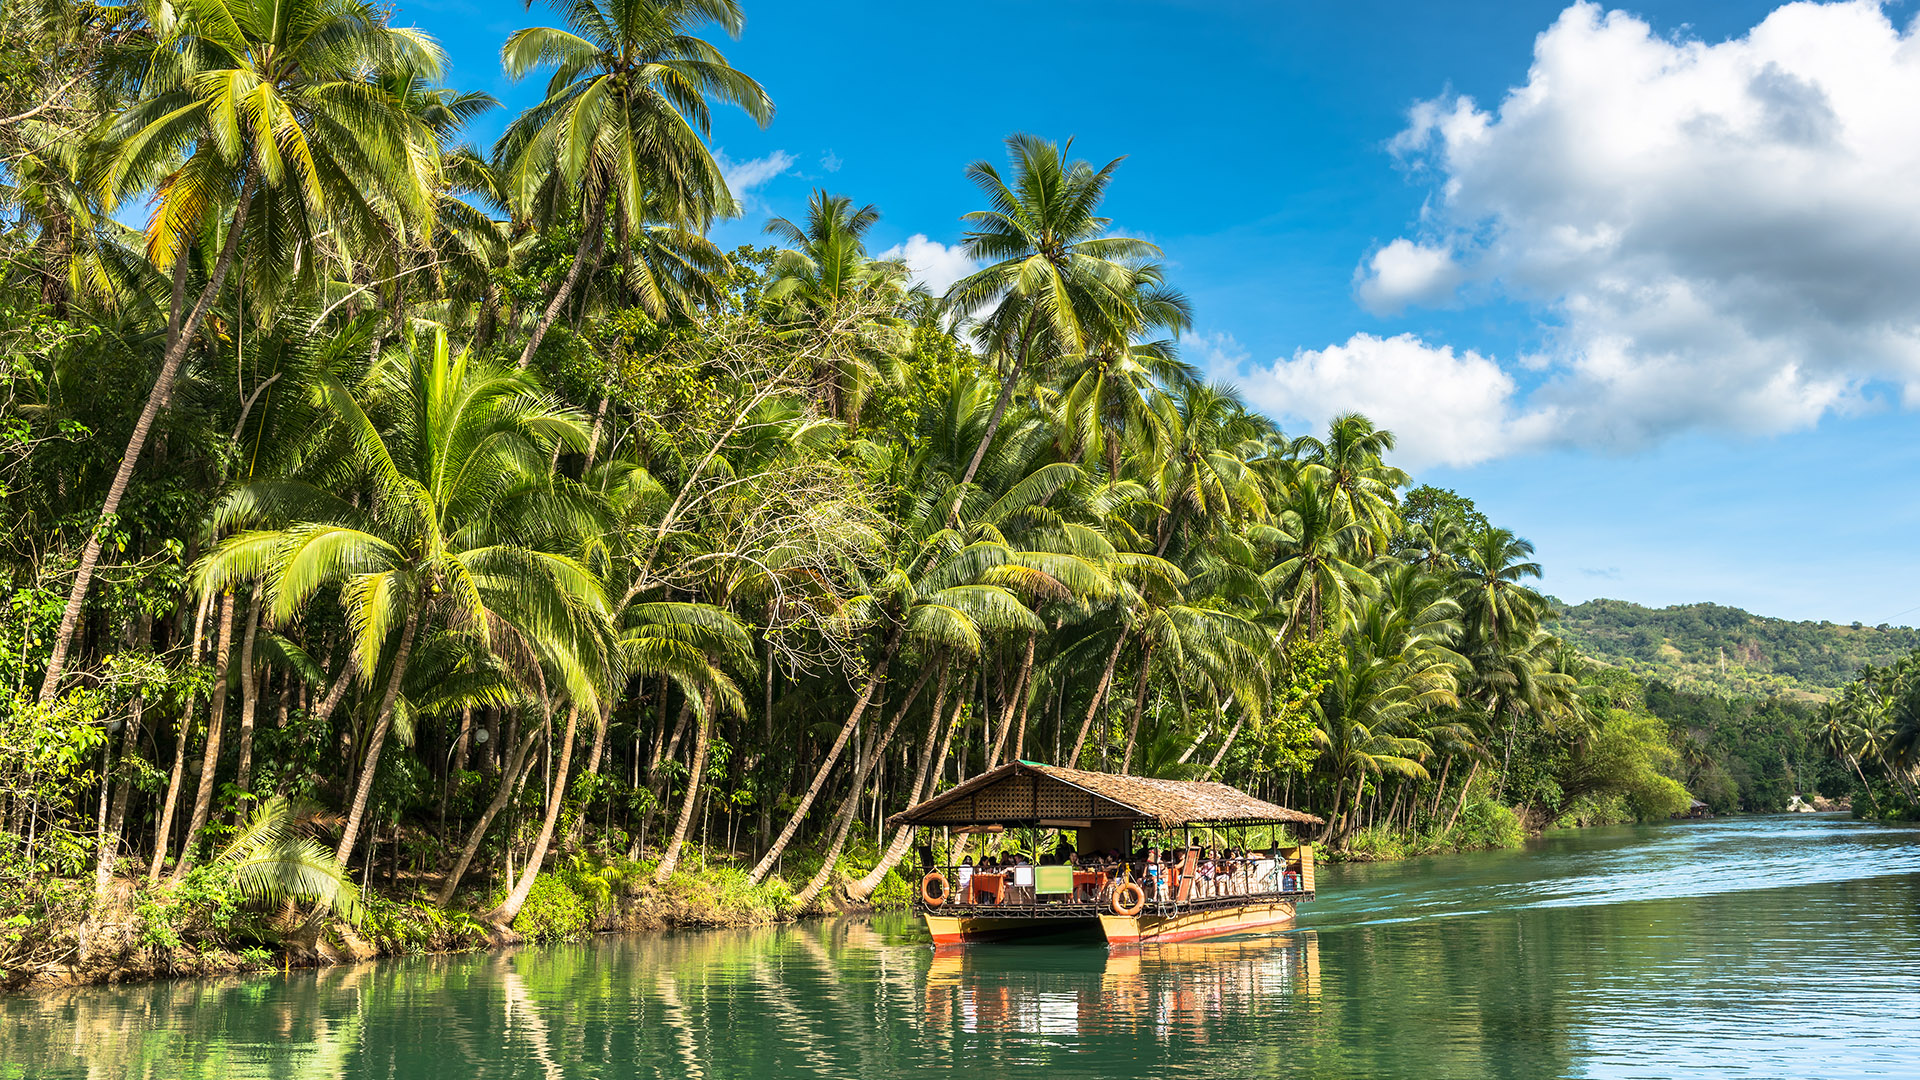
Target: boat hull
1146 928
967 929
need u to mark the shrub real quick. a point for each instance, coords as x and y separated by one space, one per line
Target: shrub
1485 824
553 911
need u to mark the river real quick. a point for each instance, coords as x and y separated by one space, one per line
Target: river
1764 946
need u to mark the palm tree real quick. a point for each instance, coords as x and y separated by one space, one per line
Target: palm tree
270 864
1055 284
249 102
454 453
1313 577
826 285
1348 464
623 124
1494 604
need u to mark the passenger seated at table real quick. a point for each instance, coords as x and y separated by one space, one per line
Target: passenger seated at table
963 879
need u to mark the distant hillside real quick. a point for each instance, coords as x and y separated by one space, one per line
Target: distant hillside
1725 650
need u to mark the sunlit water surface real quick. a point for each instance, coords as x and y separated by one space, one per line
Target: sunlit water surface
1765 947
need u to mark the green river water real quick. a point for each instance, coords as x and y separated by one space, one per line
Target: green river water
1766 947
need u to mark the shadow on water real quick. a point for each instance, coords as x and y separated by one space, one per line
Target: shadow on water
1757 946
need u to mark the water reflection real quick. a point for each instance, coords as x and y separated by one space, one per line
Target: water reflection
1180 991
1770 947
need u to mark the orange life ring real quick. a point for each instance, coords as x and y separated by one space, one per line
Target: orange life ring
934 889
1129 899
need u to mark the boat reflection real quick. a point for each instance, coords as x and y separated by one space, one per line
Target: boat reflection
1168 991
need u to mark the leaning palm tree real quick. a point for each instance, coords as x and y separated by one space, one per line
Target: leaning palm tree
453 453
249 104
623 125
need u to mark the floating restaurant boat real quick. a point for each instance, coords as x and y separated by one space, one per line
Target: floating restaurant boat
1116 825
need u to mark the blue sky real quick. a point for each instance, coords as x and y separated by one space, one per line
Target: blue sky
1645 284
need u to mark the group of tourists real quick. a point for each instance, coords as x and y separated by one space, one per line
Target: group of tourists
1214 872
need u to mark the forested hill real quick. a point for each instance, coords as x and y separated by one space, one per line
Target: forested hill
1727 650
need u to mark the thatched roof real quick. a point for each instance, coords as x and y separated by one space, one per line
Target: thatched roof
1028 793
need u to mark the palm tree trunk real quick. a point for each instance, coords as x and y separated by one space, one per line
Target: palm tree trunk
874 678
510 773
1227 743
702 740
583 257
843 821
993 427
108 851
1464 789
210 758
177 342
502 917
593 767
1139 706
249 694
1099 695
916 792
1013 704
1333 816
378 737
163 831
1440 791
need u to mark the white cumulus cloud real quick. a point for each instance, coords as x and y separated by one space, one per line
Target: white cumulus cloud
1725 235
1405 272
931 263
744 177
1443 407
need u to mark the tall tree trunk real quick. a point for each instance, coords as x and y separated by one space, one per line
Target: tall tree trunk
378 737
502 917
1099 696
178 340
583 258
874 678
917 792
107 854
1226 743
593 768
210 758
702 740
1013 703
512 770
249 694
843 821
993 428
163 831
1464 789
1139 706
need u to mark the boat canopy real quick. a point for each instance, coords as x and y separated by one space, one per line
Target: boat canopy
1032 794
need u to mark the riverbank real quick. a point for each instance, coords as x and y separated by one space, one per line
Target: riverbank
63 935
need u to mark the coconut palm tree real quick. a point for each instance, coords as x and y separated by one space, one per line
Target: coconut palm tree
453 453
1313 577
1494 604
259 118
1055 283
1348 463
621 132
825 284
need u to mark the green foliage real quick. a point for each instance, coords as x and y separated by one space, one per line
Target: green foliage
553 911
1709 648
1486 825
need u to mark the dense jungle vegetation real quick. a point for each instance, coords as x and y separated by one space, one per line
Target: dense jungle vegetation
1716 649
455 537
